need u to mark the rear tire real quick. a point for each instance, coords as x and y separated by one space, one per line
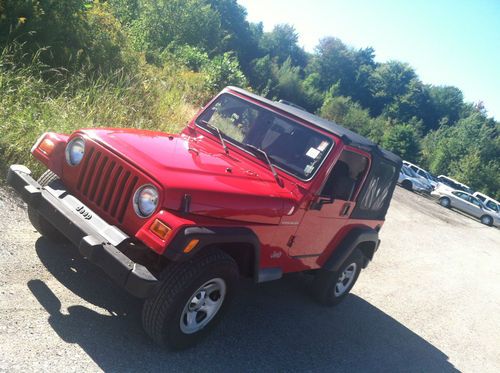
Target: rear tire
487 220
330 288
191 299
445 202
42 225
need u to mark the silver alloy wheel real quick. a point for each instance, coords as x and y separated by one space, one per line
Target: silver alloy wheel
203 305
445 202
345 279
486 220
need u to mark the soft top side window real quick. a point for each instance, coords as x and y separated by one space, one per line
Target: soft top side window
378 188
375 195
346 176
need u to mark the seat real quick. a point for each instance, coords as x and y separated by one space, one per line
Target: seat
341 183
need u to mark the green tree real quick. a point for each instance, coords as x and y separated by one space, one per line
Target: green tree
161 23
222 71
261 75
337 63
282 43
468 151
448 104
289 83
334 62
391 84
74 33
237 35
402 139
126 11
348 113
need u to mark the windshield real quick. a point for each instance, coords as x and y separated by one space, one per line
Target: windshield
448 182
289 145
432 177
409 172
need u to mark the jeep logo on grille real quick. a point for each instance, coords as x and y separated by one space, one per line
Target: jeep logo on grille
86 215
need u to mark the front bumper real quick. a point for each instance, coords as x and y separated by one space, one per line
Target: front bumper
496 222
436 194
422 189
96 240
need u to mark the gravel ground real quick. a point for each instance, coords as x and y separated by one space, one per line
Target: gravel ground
430 301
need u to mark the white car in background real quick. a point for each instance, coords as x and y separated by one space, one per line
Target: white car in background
421 173
469 204
409 180
447 183
488 202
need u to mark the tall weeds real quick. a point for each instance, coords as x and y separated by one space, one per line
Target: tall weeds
35 99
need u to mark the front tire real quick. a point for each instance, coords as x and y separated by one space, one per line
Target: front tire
445 202
42 225
331 287
407 185
191 299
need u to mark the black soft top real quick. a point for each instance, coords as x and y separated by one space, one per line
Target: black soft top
349 137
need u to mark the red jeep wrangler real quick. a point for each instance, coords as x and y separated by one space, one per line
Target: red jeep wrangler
250 188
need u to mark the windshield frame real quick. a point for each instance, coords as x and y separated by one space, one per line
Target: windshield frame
330 137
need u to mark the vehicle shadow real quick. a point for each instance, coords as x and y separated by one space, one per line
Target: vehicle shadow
270 327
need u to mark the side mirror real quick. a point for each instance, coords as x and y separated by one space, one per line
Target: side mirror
319 201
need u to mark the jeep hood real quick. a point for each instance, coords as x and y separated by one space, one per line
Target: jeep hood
234 186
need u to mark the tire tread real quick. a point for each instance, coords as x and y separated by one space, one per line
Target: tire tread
175 279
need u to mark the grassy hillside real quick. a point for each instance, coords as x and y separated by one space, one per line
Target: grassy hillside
160 98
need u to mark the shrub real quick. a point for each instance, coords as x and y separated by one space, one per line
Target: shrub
222 71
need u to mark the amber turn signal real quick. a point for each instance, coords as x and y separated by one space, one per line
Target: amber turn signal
46 146
160 229
190 246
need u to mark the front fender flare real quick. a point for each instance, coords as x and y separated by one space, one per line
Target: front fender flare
210 236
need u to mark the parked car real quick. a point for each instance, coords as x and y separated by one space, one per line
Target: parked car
250 188
446 182
488 202
469 204
422 173
409 180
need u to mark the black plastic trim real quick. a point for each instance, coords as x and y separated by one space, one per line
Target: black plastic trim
133 277
269 274
213 236
353 239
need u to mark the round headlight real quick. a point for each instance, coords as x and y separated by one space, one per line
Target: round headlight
75 151
145 200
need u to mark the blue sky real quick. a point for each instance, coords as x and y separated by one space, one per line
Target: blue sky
447 42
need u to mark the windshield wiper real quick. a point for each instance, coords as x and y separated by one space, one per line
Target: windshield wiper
219 133
266 157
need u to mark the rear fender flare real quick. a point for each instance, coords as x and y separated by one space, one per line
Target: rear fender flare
365 238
